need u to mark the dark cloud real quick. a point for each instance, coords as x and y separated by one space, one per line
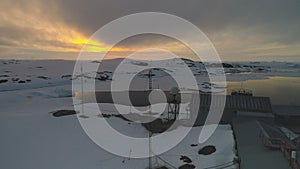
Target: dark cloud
210 16
236 27
242 23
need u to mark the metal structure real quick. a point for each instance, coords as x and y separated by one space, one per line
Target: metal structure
173 104
242 92
149 132
150 79
82 102
273 138
150 85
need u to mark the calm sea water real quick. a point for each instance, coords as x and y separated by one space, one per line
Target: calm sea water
281 90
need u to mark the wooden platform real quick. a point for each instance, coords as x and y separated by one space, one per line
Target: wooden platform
272 137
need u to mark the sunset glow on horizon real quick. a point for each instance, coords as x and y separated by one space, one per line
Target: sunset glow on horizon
56 29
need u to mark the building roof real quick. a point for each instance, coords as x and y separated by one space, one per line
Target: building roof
287 110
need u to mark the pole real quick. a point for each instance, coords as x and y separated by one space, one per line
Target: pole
82 107
150 165
150 86
150 79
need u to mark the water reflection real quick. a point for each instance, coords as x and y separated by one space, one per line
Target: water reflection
281 90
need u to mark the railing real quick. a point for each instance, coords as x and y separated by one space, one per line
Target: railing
271 142
241 91
286 148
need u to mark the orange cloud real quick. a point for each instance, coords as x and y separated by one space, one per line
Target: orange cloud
39 26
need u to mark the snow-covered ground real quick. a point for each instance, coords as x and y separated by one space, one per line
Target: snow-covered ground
32 138
28 74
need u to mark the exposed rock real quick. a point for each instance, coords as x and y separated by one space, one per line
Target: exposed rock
102 77
60 113
43 77
227 65
187 166
161 167
207 150
107 71
158 126
3 81
95 61
186 159
139 63
15 79
190 64
187 60
22 81
66 76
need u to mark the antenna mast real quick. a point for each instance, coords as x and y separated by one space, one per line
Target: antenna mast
150 89
82 107
150 165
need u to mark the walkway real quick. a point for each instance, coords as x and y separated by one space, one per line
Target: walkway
251 151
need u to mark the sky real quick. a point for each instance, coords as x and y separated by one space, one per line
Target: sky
240 30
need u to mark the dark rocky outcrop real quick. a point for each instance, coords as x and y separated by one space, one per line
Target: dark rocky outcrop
60 113
3 81
227 65
207 150
194 145
187 166
185 159
43 77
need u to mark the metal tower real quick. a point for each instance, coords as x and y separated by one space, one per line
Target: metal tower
173 104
